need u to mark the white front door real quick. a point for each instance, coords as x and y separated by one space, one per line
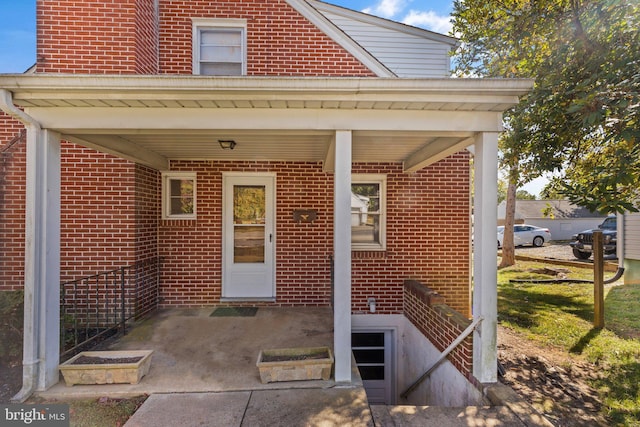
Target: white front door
248 236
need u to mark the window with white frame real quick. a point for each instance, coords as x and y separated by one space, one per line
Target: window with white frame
179 195
219 47
368 216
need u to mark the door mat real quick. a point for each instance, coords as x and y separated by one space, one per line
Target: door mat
234 312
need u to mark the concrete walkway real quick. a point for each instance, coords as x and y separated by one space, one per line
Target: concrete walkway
290 408
324 408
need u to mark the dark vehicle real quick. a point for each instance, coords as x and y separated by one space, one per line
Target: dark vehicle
583 242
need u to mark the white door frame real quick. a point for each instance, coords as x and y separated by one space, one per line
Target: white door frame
268 291
390 347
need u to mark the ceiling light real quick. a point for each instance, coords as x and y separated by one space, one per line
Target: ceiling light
227 144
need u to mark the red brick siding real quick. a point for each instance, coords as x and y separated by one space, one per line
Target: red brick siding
428 235
146 37
87 36
192 249
147 212
279 40
121 37
9 129
12 202
417 223
440 324
97 212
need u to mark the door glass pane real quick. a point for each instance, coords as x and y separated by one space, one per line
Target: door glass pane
249 207
369 356
367 339
249 204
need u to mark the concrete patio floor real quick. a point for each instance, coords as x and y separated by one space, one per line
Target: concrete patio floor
194 352
203 372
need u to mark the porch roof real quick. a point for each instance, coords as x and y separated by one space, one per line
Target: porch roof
155 119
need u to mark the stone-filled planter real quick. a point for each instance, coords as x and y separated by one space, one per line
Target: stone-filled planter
108 367
295 364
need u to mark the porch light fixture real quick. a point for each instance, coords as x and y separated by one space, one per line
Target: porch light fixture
227 144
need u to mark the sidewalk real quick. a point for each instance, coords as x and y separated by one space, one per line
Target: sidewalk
324 407
301 407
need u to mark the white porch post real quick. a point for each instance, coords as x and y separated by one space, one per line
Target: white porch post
42 253
485 299
342 256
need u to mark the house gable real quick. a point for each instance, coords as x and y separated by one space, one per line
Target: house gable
406 51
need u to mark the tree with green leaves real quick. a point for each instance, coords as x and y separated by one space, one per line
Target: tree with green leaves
581 119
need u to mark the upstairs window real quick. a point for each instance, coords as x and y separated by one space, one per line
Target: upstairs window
219 47
178 195
368 216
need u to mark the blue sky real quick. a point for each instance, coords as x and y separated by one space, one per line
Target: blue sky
17 24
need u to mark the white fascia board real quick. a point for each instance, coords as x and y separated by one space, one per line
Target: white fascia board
385 23
79 119
40 86
340 37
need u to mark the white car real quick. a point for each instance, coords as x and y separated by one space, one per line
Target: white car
524 234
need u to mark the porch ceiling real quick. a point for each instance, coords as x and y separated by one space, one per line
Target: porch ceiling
152 120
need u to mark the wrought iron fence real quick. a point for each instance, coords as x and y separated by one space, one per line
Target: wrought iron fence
99 306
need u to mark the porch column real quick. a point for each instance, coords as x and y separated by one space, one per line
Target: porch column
42 256
342 256
485 258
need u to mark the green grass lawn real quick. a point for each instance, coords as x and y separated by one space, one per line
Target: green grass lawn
561 315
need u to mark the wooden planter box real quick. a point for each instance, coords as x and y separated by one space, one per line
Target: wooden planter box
295 364
107 373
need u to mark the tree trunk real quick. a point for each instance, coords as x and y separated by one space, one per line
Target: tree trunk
508 248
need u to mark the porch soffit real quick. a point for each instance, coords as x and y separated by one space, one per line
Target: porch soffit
155 119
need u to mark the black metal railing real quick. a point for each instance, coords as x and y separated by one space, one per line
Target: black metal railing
99 306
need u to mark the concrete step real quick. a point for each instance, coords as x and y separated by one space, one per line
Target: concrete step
440 416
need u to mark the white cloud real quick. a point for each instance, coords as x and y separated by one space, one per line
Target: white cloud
386 8
429 20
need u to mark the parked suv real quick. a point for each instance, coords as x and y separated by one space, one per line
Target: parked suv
583 242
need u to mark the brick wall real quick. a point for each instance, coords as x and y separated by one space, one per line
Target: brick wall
279 40
428 235
442 325
97 212
420 216
192 249
147 212
89 36
146 48
123 37
12 202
